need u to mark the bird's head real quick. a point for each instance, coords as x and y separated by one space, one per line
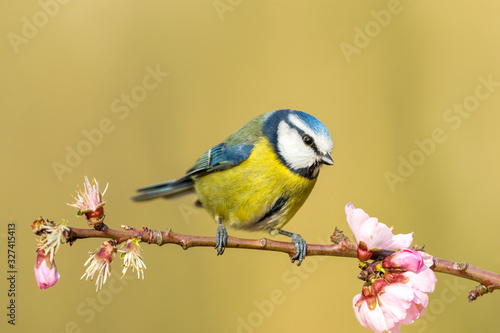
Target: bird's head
300 140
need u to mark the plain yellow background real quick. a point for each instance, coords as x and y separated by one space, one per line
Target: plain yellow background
67 75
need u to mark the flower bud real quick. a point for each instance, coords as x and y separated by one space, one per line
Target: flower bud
45 271
406 259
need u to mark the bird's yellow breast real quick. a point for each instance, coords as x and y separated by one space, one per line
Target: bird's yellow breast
242 195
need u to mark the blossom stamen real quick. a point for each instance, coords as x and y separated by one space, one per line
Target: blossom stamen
100 263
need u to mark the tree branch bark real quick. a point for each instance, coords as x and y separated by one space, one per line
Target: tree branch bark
489 281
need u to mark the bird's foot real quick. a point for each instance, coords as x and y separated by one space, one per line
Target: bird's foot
300 249
300 246
221 239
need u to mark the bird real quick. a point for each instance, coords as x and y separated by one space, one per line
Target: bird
257 178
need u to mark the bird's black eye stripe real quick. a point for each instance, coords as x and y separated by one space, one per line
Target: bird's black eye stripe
308 140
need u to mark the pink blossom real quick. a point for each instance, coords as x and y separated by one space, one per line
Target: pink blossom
395 293
388 309
89 201
372 235
45 271
100 263
131 255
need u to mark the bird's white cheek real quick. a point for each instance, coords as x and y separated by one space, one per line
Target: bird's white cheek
292 149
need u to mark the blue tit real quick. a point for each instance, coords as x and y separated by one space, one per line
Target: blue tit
259 177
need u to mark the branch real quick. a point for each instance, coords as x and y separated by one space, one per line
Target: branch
342 247
489 280
160 238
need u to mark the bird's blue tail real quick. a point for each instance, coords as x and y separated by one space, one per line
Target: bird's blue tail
168 190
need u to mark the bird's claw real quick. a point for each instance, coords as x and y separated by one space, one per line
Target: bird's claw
221 239
300 249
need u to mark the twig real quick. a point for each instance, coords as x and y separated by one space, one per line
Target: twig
489 281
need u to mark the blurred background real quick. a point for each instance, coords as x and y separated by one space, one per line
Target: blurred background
133 92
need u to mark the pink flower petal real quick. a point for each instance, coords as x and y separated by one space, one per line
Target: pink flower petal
381 236
428 259
421 299
355 218
401 241
395 302
371 319
412 313
424 280
374 234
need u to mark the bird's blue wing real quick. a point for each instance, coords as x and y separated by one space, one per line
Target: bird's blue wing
220 157
234 150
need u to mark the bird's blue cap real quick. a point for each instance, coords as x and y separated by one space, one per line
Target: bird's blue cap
272 122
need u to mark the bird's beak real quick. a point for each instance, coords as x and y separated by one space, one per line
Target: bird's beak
327 159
